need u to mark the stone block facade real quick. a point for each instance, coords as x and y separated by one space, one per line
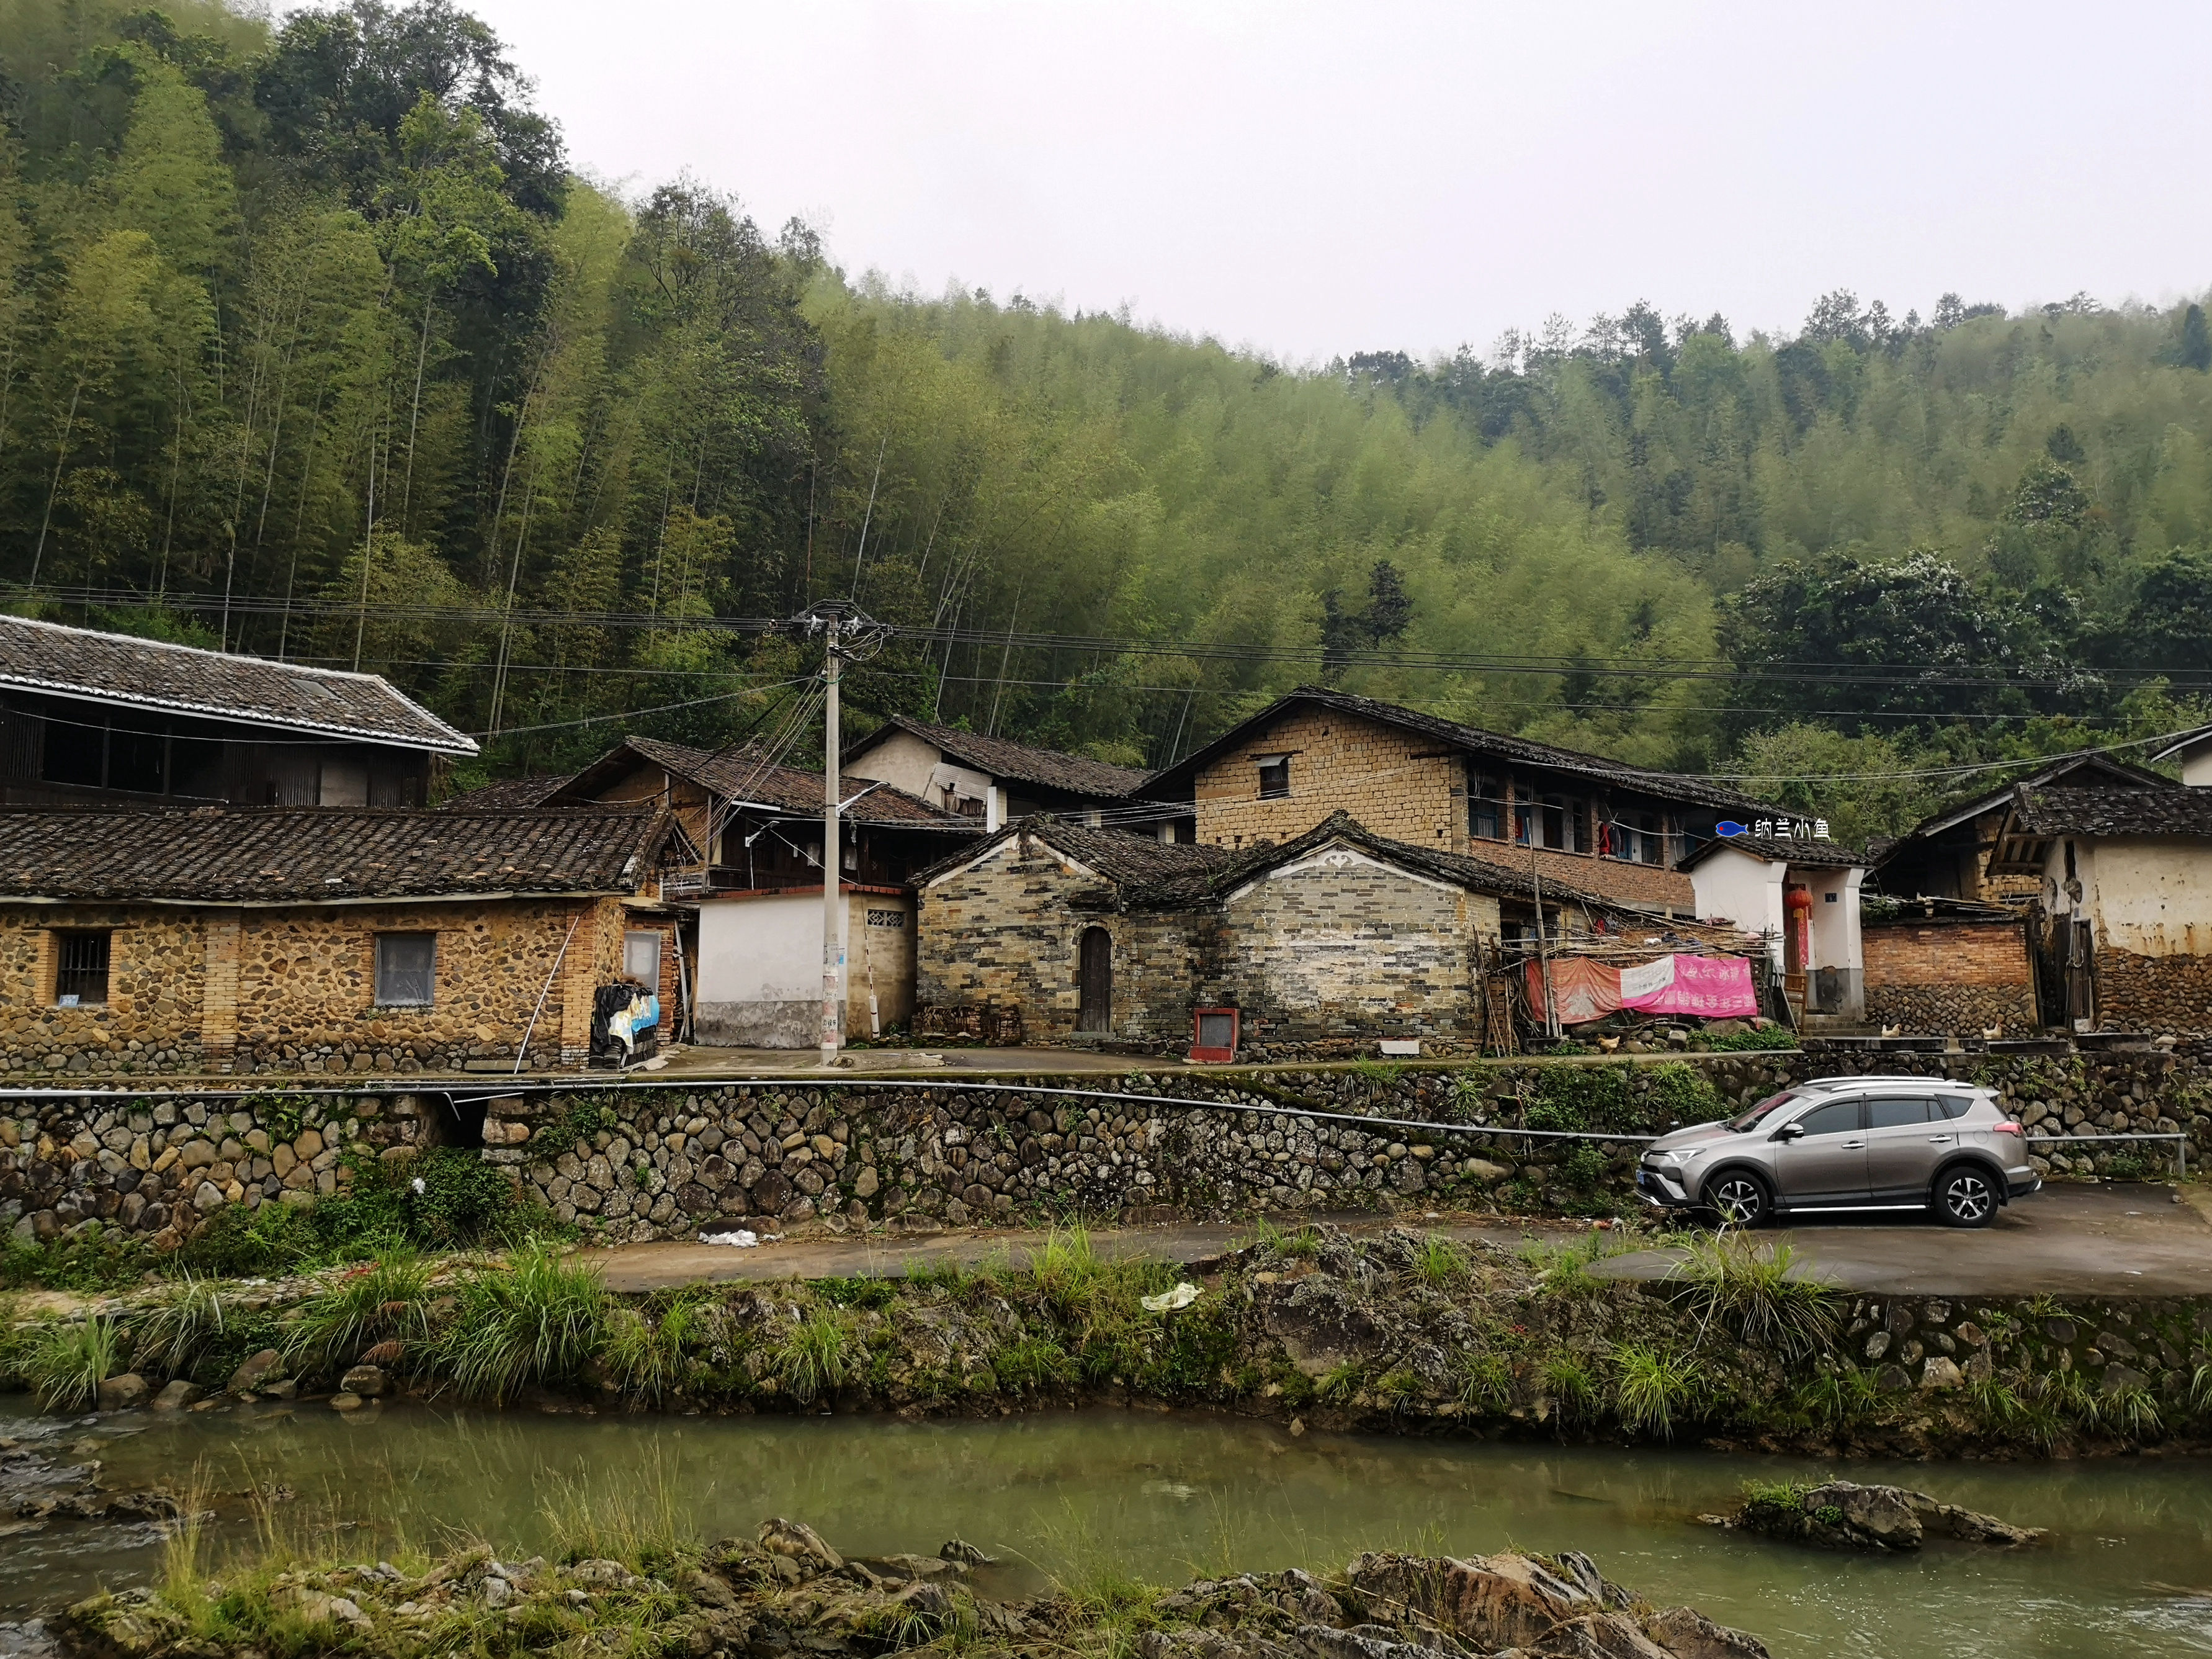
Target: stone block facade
1336 948
2167 994
1005 934
195 990
1951 977
1401 785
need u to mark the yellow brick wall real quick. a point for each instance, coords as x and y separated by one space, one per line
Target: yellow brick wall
1339 762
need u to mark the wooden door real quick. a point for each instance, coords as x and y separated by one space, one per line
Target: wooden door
1095 980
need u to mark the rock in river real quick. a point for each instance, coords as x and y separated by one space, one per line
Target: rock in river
1843 1514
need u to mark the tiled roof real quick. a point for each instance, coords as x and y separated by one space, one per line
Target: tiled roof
1154 875
741 775
1780 849
505 794
2062 771
2111 812
294 855
1668 785
1003 757
147 674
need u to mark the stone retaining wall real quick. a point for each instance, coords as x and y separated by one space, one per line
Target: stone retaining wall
631 1164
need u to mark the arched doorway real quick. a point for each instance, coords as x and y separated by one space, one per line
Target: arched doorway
1095 981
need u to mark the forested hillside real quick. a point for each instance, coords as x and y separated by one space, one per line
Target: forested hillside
313 341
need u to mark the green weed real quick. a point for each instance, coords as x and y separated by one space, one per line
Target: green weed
648 1358
1650 1389
382 1304
537 1319
186 1318
1749 1288
1486 1383
1440 1262
66 1361
1572 1388
813 1357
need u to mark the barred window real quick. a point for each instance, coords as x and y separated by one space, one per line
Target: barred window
1274 776
81 969
406 969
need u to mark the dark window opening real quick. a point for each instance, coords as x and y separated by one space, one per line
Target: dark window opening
455 1123
137 760
1654 838
81 969
2070 861
76 752
1275 778
1486 808
406 969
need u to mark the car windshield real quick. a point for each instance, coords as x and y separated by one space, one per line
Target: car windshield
1766 1109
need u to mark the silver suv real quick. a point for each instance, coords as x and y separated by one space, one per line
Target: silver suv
1848 1144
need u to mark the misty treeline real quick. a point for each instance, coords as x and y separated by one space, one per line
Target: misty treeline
313 343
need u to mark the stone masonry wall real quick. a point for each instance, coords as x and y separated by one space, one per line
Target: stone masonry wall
157 1167
626 1163
2153 993
250 991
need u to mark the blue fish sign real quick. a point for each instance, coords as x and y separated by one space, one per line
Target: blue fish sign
1730 826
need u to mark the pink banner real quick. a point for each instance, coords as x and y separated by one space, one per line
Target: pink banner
1712 988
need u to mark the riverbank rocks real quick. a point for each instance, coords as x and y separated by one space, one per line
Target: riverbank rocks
776 1595
256 1372
366 1381
1843 1514
120 1394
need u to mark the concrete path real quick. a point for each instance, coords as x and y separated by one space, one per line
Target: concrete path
696 1060
2067 1240
2126 1241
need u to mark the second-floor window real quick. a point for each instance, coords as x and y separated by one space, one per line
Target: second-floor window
406 969
1486 807
1274 776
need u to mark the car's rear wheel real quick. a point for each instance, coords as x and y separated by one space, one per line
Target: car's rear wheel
1966 1197
1739 1198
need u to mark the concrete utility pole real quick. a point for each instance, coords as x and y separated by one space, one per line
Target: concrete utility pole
833 908
847 634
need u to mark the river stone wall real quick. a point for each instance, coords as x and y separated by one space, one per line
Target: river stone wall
634 1163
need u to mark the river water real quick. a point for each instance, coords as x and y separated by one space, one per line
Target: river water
2128 1570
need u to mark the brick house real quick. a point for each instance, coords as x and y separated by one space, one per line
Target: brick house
1947 855
320 940
1054 933
2123 911
1616 832
994 780
90 718
1948 966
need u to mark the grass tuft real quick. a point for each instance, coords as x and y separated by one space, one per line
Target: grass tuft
184 1319
537 1319
377 1304
66 1361
1750 1289
1652 1388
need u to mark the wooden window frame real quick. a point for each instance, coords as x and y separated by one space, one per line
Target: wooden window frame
430 999
64 937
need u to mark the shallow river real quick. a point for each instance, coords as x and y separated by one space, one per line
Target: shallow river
2129 1571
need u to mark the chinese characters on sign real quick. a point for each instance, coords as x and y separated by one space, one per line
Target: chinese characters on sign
1798 829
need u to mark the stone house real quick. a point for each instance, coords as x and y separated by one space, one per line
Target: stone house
2193 749
1054 933
1947 855
90 718
320 940
1948 966
1618 832
1799 895
2123 912
993 779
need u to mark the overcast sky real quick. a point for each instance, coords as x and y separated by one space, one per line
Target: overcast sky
1315 180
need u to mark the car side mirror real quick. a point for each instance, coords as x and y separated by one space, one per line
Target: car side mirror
1789 1132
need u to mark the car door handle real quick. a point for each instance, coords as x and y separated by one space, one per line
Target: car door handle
1939 1140
1853 1146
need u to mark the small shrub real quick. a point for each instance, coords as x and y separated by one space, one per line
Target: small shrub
66 1361
97 1259
1675 1093
236 1243
872 1294
1584 1167
1747 1042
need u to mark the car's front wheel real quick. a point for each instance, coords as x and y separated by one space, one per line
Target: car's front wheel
1966 1197
1739 1198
